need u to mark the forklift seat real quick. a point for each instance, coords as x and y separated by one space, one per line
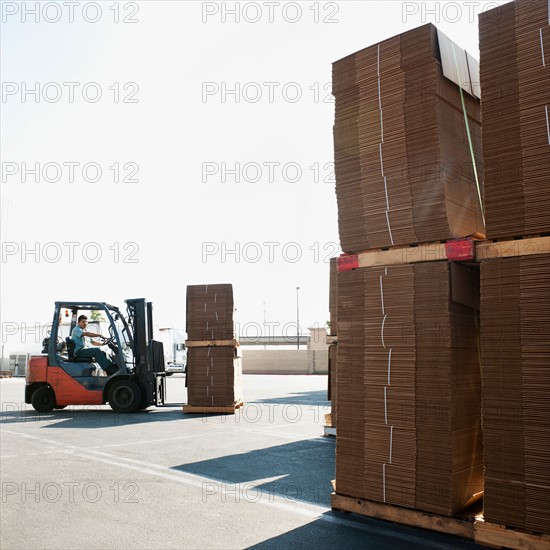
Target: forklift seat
70 352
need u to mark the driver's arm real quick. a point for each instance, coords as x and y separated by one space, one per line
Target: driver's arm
92 334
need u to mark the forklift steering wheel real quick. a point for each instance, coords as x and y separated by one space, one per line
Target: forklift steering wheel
111 343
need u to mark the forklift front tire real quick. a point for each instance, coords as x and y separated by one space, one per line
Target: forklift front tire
124 396
43 399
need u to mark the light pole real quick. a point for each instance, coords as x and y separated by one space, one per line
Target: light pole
265 345
298 317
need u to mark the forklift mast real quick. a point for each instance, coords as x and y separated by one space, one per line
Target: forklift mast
148 353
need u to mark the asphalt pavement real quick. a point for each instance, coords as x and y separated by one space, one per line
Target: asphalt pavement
87 478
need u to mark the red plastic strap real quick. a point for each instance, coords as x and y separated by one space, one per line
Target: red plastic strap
347 262
460 250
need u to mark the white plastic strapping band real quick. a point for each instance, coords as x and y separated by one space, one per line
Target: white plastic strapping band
382 295
381 160
547 124
389 366
385 406
378 74
542 49
382 331
389 227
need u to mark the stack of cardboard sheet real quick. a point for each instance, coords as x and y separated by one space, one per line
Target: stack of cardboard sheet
333 297
213 376
333 331
449 456
407 166
213 371
408 367
515 335
515 323
350 387
389 385
515 84
210 312
332 378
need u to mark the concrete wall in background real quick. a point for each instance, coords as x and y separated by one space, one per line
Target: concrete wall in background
284 361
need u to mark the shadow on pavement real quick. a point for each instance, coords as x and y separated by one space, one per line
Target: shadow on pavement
342 530
318 398
304 470
92 416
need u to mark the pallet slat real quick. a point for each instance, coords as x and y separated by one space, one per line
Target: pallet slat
487 250
211 343
232 409
453 250
491 534
475 528
404 516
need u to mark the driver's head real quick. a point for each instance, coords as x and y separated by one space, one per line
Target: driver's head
82 321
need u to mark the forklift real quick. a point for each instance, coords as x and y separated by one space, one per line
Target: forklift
57 378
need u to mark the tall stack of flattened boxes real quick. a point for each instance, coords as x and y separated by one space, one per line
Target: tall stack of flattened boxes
515 290
214 369
408 166
332 340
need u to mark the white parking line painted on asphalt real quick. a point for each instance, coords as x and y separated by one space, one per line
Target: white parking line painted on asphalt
307 510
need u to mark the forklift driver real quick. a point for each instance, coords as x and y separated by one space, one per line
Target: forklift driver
82 351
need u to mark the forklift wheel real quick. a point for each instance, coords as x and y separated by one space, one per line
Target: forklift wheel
124 396
43 399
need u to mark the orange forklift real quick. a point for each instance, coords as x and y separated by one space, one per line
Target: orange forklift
57 378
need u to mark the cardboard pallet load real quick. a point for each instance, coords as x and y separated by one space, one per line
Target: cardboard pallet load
407 165
515 84
516 385
333 348
210 312
409 430
214 371
515 292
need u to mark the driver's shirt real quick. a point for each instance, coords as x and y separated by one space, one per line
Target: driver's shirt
79 340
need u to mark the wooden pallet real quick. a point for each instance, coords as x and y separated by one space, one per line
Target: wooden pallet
472 526
457 250
329 429
404 516
500 536
211 343
232 409
488 250
470 249
6 374
331 339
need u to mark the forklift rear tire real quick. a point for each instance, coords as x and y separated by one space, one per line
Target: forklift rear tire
124 396
43 399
